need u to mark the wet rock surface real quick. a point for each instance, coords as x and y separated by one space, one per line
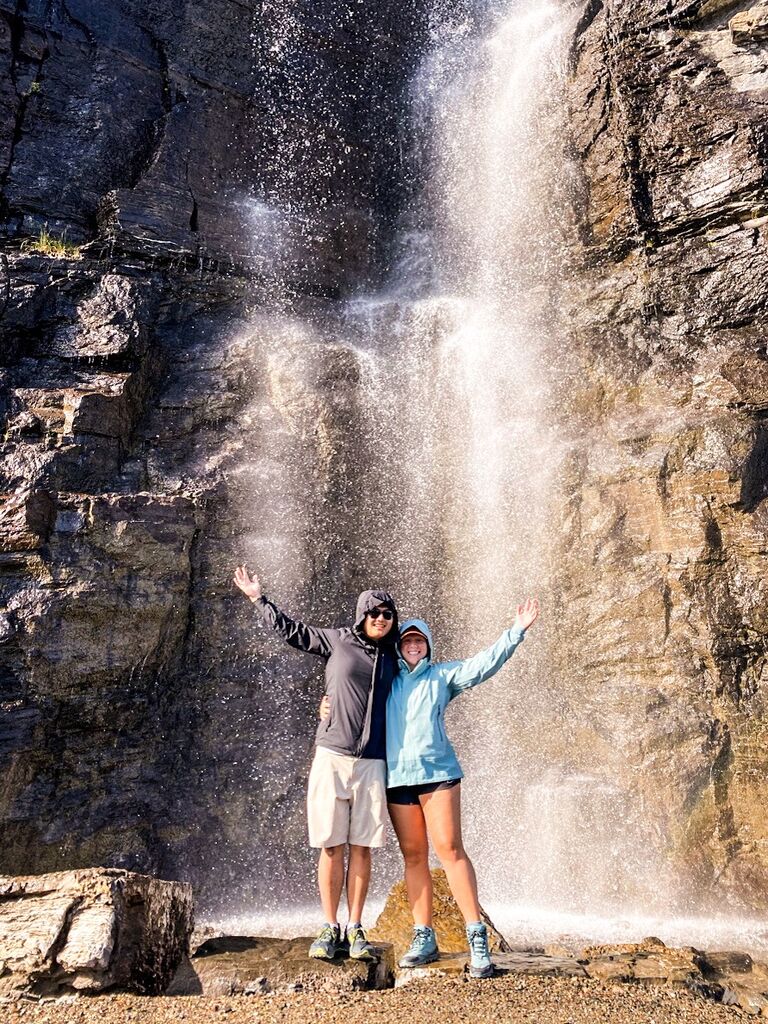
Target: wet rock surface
90 931
134 377
231 965
150 401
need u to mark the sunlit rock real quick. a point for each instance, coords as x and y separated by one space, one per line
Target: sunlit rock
395 922
90 931
751 25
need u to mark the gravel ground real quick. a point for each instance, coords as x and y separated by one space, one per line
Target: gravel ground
511 1000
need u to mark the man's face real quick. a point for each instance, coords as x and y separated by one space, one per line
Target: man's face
376 624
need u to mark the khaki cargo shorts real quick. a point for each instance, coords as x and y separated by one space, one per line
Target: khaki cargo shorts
346 800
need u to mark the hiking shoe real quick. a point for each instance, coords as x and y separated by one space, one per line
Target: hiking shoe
359 946
423 949
328 943
480 965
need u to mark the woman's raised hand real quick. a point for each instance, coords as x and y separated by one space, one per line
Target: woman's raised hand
527 613
250 586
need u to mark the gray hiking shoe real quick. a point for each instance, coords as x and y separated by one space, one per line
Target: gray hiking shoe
423 948
359 946
480 965
328 943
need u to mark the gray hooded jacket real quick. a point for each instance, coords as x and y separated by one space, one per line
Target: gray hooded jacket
358 674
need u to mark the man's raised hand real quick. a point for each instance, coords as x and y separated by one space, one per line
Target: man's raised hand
527 613
250 586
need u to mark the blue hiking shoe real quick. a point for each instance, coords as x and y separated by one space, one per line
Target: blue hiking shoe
359 946
328 943
480 965
423 949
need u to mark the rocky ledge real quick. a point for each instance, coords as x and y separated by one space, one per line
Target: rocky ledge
230 966
234 965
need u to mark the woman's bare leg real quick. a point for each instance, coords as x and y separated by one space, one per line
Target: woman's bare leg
442 813
411 832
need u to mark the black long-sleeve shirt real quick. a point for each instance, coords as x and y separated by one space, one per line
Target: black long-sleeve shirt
358 675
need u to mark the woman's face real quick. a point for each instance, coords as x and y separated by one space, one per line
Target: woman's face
413 648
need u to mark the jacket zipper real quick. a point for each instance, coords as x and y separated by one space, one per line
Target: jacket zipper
440 727
369 710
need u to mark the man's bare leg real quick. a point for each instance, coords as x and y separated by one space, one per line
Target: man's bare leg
358 878
330 880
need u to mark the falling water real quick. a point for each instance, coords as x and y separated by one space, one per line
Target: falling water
456 365
464 345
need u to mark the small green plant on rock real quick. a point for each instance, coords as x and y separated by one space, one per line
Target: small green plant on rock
48 245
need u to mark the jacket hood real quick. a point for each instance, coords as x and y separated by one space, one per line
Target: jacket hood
422 627
368 600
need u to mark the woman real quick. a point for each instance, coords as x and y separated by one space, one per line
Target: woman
424 779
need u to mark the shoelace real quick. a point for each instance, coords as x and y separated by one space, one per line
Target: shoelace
478 942
327 933
421 938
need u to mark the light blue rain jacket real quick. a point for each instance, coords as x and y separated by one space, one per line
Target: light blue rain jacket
418 750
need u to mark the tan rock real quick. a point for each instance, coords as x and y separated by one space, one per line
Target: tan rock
395 923
26 519
750 26
91 930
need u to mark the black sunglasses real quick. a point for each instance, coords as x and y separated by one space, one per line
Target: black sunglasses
385 613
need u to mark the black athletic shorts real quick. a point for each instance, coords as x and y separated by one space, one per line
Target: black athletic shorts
411 794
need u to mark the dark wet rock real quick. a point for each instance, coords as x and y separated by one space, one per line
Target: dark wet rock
147 413
233 965
91 931
169 147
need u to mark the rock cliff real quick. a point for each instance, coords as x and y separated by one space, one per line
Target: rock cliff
664 525
188 194
165 171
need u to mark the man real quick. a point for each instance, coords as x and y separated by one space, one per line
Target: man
346 796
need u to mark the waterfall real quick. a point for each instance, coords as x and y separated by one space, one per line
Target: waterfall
435 472
463 350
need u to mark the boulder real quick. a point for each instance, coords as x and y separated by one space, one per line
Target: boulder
237 965
89 931
395 922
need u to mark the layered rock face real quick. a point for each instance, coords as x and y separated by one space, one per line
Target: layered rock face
194 162
663 554
177 396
